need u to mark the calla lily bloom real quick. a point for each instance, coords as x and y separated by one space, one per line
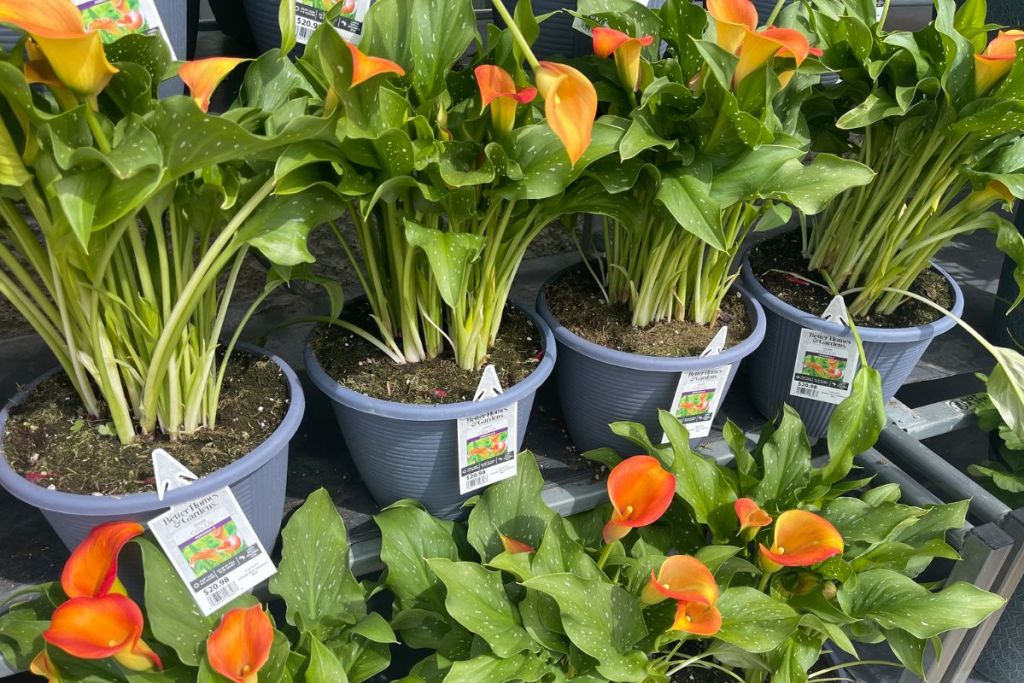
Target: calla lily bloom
43 666
640 491
97 628
733 20
498 91
608 41
202 76
91 571
996 61
683 578
750 514
801 539
993 193
758 47
697 618
514 547
240 645
74 55
365 67
570 104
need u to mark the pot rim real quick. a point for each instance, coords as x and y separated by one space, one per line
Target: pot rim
637 361
416 412
133 503
890 335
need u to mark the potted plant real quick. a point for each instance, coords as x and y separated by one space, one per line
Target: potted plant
126 221
84 627
448 175
932 113
714 149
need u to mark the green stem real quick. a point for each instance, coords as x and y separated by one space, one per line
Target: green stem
96 127
517 35
605 554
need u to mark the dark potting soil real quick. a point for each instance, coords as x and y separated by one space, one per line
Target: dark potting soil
696 674
576 301
776 261
51 441
358 365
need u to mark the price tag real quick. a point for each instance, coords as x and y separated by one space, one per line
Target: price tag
586 29
699 392
349 24
488 443
116 18
825 363
879 8
208 540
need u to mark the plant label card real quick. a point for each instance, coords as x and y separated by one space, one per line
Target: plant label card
699 392
825 363
210 543
488 443
309 14
113 19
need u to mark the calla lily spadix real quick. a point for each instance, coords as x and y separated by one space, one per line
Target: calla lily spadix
97 628
608 41
91 571
240 646
640 491
992 65
801 539
498 91
365 67
698 618
570 105
202 76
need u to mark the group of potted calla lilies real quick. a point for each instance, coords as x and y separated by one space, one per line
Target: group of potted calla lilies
435 158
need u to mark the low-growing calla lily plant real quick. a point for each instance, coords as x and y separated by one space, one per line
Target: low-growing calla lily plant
86 628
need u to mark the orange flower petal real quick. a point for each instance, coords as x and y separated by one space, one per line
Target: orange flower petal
240 645
697 618
48 18
761 46
992 65
365 67
607 41
640 491
493 82
683 578
91 570
43 666
202 76
802 539
514 547
733 19
96 628
627 51
750 514
570 104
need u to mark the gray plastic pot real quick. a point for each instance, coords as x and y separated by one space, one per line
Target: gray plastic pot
257 480
598 385
405 450
892 352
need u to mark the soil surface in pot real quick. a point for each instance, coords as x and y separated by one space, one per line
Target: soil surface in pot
358 365
51 441
775 262
577 303
695 674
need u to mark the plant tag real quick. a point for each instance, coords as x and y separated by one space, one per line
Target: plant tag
309 14
209 541
700 391
825 363
488 443
879 8
116 18
583 27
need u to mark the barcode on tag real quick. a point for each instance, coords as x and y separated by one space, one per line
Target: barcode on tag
807 392
303 31
222 594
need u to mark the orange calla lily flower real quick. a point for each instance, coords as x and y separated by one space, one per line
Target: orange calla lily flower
202 76
697 618
801 539
733 20
570 104
683 578
240 645
750 514
97 628
365 67
627 50
91 571
993 193
43 666
758 47
75 56
514 547
640 491
499 92
996 61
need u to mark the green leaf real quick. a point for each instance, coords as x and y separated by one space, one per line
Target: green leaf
323 664
519 667
449 255
908 649
1006 388
699 481
687 196
748 174
811 187
12 170
557 553
408 537
314 577
893 600
286 25
855 424
281 224
754 621
602 620
787 463
641 136
476 599
857 520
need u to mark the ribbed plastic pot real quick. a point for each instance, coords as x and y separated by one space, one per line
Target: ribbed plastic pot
405 450
598 385
257 480
263 24
892 352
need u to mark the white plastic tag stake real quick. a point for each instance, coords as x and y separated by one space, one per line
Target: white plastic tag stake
699 392
489 442
825 363
309 14
208 540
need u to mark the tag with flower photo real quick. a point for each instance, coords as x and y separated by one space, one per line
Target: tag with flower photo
114 19
309 14
699 392
825 363
488 443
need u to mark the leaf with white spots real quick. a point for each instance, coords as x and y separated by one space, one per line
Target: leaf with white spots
280 225
754 621
449 255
